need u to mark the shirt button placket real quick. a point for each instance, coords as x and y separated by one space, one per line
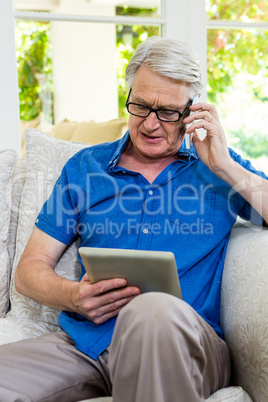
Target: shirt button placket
145 234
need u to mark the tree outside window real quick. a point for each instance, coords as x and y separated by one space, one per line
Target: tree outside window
34 64
237 74
125 50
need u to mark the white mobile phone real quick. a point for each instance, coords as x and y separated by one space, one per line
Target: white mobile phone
188 137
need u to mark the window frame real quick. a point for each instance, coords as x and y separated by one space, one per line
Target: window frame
236 25
184 19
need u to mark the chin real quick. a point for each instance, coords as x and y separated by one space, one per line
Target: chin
155 153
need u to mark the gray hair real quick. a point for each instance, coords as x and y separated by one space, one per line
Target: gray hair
168 57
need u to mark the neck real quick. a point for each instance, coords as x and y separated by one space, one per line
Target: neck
150 168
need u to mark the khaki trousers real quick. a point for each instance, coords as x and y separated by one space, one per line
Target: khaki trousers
162 351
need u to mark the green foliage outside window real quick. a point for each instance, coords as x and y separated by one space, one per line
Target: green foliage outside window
239 55
34 70
238 10
232 54
125 52
252 144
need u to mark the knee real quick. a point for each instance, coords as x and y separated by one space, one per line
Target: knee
153 310
153 318
149 304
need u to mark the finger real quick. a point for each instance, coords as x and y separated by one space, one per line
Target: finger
203 106
110 300
108 311
105 317
206 125
106 285
203 115
117 295
210 110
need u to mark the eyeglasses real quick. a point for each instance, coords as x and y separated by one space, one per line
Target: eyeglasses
162 114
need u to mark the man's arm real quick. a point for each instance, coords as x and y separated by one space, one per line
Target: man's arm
213 152
35 277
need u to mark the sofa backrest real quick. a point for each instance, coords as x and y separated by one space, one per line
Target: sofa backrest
244 307
45 158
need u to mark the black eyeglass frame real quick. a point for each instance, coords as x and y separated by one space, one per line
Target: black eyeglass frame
150 110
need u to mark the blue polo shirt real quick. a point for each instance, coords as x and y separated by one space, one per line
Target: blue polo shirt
187 210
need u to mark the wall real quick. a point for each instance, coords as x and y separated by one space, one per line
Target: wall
84 65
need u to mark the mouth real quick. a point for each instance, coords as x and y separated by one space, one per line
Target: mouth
152 138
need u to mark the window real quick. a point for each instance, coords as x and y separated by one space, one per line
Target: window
34 63
184 20
34 42
67 69
128 39
237 73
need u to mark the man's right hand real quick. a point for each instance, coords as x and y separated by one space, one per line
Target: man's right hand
35 277
103 300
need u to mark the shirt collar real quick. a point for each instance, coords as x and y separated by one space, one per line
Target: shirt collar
121 145
183 151
187 152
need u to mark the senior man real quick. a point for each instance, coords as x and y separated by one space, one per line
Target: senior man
162 196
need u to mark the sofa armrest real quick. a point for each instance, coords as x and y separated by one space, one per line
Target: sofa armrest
244 308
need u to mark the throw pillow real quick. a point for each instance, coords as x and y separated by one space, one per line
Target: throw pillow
8 160
91 131
24 125
65 129
95 133
45 157
37 123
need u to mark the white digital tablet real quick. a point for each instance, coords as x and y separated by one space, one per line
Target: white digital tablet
150 271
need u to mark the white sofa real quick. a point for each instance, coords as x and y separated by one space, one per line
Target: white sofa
25 185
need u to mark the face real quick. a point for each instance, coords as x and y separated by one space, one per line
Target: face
152 138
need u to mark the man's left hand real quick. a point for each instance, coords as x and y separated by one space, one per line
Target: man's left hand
214 153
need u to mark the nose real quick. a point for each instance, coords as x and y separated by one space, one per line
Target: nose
151 122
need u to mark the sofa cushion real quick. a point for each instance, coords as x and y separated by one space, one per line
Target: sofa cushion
230 394
7 163
13 329
45 157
